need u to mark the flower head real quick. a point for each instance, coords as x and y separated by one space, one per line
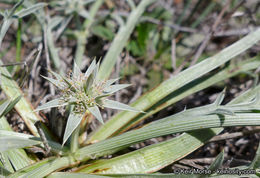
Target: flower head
85 92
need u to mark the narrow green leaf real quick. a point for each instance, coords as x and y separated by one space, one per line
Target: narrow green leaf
72 123
76 70
117 105
103 32
55 21
12 140
24 12
96 69
5 163
5 26
74 175
253 105
68 81
16 158
3 107
4 172
114 88
51 104
44 167
95 111
52 48
90 68
16 6
220 97
111 81
153 157
255 164
11 106
57 83
84 14
217 163
88 83
56 75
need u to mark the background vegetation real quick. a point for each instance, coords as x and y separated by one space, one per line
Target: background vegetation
193 65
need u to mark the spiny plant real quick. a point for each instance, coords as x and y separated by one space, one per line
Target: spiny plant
87 92
83 92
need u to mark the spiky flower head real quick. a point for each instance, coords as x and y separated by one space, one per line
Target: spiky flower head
85 92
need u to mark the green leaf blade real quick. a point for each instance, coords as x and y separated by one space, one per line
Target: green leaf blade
117 105
72 123
90 68
114 88
11 105
24 12
51 104
149 99
11 140
95 111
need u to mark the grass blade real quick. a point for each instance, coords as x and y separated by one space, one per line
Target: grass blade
217 163
255 164
189 141
12 140
171 125
149 99
24 12
5 26
149 161
4 172
10 106
15 158
23 107
120 40
154 157
3 107
44 167
74 175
